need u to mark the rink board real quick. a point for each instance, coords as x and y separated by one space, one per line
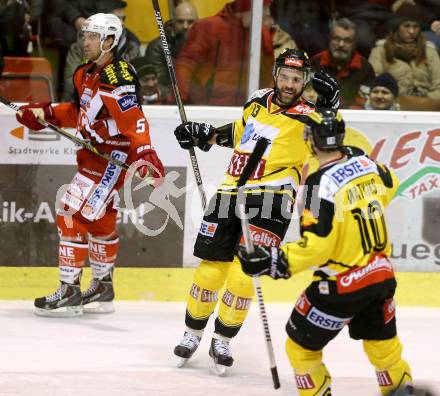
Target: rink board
34 164
165 284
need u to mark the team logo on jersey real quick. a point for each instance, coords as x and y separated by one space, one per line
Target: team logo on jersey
110 72
376 271
208 229
100 194
127 102
124 89
85 97
356 167
123 67
248 131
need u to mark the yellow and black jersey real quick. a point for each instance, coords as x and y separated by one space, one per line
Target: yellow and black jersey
342 223
283 159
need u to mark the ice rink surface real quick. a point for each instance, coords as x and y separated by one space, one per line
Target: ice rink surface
130 353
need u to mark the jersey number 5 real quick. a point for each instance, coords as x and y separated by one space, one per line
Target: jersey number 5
140 125
372 227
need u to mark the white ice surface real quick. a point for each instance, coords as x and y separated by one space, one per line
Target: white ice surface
130 353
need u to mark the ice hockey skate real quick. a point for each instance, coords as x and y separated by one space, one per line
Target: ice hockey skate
98 298
186 348
221 355
65 302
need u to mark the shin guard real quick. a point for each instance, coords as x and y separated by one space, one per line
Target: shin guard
208 280
391 370
311 376
71 258
235 302
102 257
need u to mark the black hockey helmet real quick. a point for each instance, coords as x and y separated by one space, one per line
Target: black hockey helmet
295 59
327 129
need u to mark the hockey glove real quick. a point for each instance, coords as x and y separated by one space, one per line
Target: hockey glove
327 88
148 162
264 261
30 112
190 134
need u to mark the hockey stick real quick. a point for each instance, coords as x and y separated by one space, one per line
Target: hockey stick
78 141
171 71
251 165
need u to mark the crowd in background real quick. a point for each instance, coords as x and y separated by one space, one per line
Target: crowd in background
383 53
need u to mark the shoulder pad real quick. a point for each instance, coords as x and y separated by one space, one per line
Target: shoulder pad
260 93
338 175
118 73
303 107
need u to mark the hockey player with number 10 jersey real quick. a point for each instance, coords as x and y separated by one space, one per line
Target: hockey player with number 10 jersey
344 239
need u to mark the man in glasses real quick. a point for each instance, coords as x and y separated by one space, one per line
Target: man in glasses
343 62
128 47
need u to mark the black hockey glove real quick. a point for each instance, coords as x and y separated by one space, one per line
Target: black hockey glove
328 90
264 261
190 134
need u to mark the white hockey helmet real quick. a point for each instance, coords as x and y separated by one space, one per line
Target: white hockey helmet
105 25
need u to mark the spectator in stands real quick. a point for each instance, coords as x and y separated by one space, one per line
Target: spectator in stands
75 12
429 13
212 67
185 14
384 94
15 28
307 22
280 38
128 48
371 18
411 60
151 91
343 62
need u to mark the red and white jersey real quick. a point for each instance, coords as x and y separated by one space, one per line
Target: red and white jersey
107 108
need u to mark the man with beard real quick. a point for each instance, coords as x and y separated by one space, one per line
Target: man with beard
341 60
276 114
151 92
185 14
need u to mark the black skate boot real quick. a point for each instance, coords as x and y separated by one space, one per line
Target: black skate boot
65 302
186 348
98 298
220 352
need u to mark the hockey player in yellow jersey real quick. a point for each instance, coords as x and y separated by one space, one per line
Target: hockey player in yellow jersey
276 114
344 240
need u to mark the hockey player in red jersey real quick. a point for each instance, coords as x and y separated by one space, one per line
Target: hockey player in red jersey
105 111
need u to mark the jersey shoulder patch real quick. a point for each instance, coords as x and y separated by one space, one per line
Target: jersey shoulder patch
259 94
301 108
338 175
118 73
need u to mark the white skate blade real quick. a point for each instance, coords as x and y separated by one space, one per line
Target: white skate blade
217 369
63 312
99 307
180 361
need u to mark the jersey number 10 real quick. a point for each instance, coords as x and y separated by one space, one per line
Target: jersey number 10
372 227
